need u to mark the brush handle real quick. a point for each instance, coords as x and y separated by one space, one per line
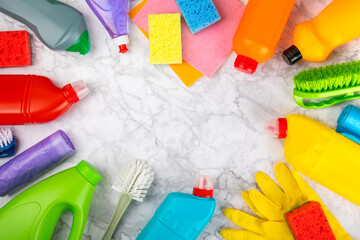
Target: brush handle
329 98
123 203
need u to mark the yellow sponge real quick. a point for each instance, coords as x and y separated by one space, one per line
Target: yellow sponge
165 38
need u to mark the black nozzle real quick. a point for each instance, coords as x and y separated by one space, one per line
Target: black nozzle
292 55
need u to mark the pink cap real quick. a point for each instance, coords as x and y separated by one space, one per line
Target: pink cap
245 64
203 187
123 48
276 128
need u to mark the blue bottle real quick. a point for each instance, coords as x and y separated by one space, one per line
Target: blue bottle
348 123
182 216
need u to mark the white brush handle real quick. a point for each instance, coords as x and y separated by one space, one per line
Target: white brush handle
123 203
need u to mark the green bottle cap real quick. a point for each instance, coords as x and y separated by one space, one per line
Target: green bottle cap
89 172
82 45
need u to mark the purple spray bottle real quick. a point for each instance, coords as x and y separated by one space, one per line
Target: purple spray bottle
113 15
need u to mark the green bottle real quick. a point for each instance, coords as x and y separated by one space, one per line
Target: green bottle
34 213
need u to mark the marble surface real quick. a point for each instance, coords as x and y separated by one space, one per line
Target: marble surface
141 111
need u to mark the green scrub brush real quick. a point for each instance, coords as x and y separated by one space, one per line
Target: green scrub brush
133 182
326 86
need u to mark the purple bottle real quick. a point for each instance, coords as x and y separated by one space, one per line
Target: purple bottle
113 15
34 161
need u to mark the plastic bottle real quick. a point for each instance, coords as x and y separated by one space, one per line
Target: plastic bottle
34 161
35 99
113 15
182 216
57 25
348 123
34 213
320 153
314 40
259 32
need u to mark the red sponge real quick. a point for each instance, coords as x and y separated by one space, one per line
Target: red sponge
15 49
309 222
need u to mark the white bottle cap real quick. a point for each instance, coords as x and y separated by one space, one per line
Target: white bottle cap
124 39
276 128
272 128
80 88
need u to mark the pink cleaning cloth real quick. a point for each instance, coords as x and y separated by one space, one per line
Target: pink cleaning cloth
207 50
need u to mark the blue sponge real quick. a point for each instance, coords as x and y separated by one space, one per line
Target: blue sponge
198 14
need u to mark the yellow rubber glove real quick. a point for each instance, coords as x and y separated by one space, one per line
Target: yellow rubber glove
272 204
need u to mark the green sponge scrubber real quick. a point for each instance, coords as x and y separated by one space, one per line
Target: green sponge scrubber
165 39
326 86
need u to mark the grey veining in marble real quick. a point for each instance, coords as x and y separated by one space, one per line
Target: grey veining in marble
141 111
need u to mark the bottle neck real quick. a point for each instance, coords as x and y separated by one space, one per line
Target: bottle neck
70 94
283 127
204 193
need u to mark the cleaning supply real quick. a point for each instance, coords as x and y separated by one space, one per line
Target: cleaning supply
320 153
165 39
348 123
314 40
271 204
259 32
35 99
35 161
34 213
309 222
198 14
187 73
57 25
7 143
326 86
205 51
133 182
15 49
182 216
113 16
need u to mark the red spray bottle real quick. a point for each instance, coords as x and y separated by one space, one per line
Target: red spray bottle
26 99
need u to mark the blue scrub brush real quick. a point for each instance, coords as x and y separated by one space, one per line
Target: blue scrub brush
133 182
7 143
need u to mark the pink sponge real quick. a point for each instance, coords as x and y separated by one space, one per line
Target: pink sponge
15 49
309 222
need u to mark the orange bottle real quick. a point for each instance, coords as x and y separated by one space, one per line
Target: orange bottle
259 32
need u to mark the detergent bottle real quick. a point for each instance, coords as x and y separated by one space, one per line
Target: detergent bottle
28 99
34 213
57 25
113 14
259 32
182 216
314 40
320 153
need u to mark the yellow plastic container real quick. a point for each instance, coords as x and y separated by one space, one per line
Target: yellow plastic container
320 153
314 40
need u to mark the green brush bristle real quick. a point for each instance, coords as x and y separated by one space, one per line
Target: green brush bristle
328 78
